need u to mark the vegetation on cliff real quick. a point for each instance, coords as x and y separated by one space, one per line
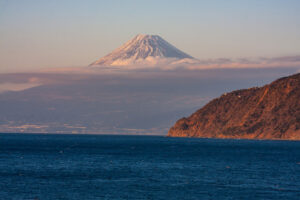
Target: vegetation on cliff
268 112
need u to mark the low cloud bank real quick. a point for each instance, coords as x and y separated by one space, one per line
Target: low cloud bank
5 87
171 64
222 68
288 61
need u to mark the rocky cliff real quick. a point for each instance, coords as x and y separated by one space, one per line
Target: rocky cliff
268 112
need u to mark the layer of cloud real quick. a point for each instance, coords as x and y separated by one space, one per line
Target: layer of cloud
172 64
288 61
5 87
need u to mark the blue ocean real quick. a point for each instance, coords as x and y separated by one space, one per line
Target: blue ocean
45 166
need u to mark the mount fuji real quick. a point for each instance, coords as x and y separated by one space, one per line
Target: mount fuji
145 50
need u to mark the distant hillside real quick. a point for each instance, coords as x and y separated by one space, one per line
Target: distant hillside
268 112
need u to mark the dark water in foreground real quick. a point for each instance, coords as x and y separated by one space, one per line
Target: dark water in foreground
144 167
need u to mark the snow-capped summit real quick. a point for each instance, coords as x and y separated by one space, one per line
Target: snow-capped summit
143 50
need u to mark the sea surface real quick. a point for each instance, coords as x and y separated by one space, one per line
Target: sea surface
39 166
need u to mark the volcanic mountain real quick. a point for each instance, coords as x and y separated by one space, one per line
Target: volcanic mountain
144 50
268 112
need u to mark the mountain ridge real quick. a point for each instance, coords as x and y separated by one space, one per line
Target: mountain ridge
268 112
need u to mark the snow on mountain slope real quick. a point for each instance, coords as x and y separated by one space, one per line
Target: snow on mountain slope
144 50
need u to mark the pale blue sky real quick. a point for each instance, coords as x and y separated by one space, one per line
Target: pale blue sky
54 33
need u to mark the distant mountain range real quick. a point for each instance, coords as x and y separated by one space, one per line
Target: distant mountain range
268 112
144 50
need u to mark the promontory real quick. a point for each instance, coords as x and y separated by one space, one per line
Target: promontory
268 112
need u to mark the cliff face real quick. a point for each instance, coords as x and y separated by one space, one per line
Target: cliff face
268 112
